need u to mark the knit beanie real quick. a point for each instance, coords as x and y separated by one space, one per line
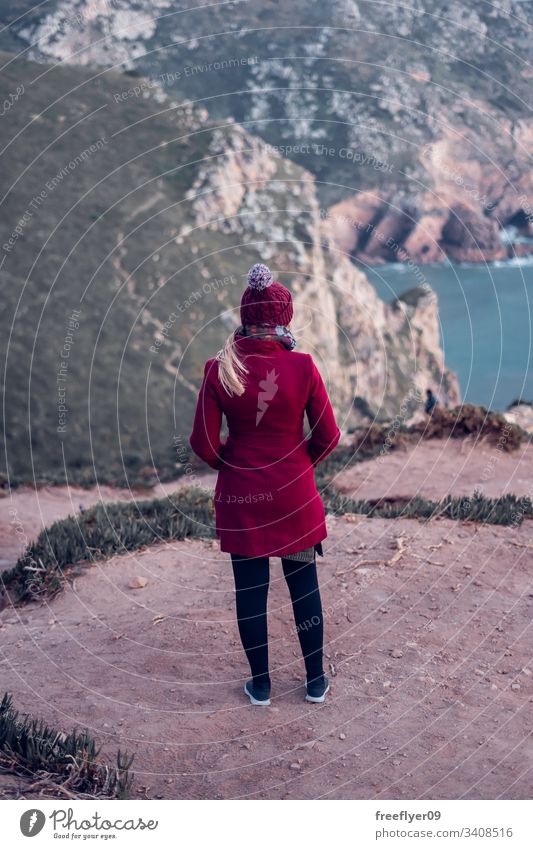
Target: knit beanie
265 301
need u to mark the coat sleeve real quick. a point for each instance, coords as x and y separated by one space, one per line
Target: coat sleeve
205 437
325 433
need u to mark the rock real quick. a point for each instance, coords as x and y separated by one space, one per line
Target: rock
138 583
387 236
521 414
423 243
396 653
457 211
351 220
469 237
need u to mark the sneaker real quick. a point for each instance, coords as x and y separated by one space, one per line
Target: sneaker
257 695
317 689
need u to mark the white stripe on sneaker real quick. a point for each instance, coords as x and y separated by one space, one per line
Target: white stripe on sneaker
252 698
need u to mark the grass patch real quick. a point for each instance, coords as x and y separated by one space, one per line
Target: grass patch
60 764
506 510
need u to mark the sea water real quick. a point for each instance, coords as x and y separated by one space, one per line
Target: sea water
486 323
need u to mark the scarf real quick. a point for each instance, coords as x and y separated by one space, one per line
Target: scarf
276 332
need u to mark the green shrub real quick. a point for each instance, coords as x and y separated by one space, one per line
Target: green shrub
64 762
505 510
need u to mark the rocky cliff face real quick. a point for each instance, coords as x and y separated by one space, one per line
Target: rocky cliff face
463 203
377 357
414 114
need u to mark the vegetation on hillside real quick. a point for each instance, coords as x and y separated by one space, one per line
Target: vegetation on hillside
113 295
321 80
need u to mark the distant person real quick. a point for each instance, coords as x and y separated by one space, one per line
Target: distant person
266 500
431 401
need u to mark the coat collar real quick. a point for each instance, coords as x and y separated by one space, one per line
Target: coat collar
252 343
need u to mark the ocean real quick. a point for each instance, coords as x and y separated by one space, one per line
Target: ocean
486 323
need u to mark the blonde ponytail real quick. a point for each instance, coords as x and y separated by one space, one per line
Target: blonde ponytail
230 367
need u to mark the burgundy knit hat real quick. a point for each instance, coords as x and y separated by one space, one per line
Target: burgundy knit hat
265 301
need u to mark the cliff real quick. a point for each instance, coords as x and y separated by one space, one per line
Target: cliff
384 355
462 205
129 224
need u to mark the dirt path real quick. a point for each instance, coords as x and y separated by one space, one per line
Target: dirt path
159 671
25 512
435 467
429 655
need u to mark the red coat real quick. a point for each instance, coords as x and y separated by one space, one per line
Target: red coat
266 501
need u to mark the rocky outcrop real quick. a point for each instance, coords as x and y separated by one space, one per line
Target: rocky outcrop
378 358
521 414
468 210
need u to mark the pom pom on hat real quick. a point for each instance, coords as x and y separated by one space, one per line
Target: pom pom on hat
259 276
265 300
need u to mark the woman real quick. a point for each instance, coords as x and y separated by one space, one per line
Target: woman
266 500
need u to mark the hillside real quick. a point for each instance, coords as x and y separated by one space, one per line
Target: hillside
417 115
128 229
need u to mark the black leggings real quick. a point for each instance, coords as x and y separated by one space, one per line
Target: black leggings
252 577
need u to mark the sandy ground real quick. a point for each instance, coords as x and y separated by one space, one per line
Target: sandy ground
429 657
26 511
